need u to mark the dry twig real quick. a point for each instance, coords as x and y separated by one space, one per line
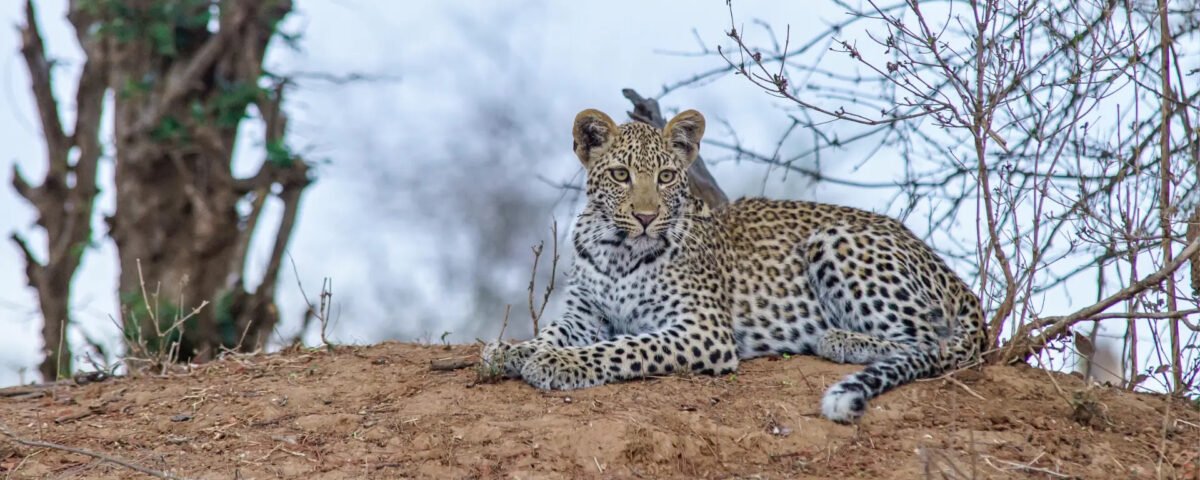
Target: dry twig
536 316
320 311
80 451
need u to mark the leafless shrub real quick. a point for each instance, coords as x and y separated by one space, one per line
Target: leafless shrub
158 350
491 372
319 312
1064 133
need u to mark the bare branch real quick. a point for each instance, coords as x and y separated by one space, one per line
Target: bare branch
22 186
453 363
1047 120
1167 98
1181 315
291 208
342 79
33 267
1025 344
41 79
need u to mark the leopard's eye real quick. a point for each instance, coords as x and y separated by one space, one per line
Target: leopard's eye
619 174
666 176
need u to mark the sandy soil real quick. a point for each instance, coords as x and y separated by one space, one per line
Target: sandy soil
380 412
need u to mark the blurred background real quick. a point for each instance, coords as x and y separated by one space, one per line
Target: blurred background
438 134
439 170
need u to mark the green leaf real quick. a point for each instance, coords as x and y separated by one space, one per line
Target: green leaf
226 323
167 130
197 110
162 36
230 105
279 154
133 88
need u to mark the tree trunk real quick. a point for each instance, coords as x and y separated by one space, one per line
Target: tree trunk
181 241
54 299
65 198
180 89
176 229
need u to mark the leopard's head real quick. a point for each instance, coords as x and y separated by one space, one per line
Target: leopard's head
637 174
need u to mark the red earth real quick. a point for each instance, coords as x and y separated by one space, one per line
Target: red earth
381 412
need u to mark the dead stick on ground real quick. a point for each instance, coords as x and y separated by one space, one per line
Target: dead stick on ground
99 456
80 415
453 363
27 389
964 386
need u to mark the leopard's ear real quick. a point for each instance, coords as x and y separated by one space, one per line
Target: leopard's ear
594 132
684 133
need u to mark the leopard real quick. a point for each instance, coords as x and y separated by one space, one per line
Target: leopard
663 283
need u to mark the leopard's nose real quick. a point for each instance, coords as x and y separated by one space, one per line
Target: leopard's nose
645 218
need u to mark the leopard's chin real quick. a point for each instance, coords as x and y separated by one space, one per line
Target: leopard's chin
645 241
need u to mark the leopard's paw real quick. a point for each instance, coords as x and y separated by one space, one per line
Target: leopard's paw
843 347
505 359
560 369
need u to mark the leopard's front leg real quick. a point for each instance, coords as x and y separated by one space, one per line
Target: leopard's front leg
628 357
578 326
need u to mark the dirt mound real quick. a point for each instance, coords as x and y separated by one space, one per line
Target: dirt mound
380 412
